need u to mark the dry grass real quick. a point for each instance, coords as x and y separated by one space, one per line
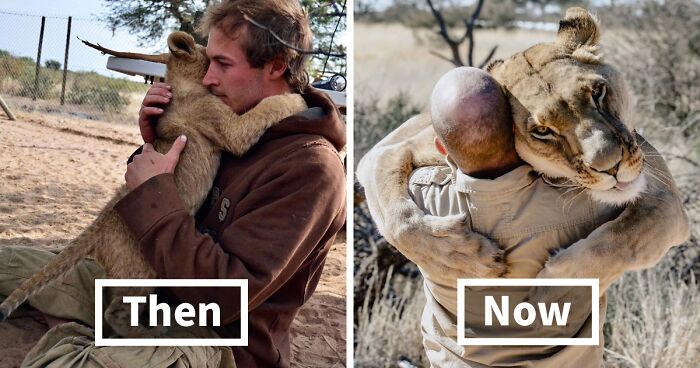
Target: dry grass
389 328
653 320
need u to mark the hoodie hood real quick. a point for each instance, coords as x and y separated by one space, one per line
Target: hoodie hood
322 118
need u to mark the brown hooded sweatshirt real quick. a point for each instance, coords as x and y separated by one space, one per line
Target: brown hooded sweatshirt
271 218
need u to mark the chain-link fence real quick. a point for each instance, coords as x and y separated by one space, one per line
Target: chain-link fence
45 68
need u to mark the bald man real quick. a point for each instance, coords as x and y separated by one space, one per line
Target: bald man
507 201
472 120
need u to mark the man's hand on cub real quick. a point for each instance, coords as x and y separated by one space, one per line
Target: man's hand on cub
150 163
157 97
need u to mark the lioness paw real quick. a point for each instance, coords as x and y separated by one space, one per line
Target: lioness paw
491 259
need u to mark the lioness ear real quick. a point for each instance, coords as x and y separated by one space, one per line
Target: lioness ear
181 44
578 28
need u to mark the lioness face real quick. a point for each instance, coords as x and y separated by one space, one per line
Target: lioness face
571 113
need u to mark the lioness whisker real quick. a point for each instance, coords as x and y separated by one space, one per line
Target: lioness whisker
571 201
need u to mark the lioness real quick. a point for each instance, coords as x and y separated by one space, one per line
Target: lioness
211 127
573 121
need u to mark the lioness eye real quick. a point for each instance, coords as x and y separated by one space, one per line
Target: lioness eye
541 132
598 94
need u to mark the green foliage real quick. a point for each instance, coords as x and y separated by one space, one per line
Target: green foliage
22 71
12 67
42 87
101 96
151 19
52 64
327 25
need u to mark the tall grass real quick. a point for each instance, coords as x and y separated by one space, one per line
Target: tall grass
653 320
388 327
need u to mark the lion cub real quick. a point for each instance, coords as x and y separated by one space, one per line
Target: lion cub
211 127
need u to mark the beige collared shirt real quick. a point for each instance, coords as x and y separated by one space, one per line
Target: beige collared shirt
528 218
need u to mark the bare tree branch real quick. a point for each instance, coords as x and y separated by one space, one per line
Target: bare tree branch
454 45
468 36
488 57
433 52
470 30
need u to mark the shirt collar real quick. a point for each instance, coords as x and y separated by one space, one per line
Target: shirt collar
513 180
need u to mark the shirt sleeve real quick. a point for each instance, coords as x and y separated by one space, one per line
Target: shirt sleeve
289 214
430 189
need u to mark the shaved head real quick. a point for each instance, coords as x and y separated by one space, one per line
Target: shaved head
471 116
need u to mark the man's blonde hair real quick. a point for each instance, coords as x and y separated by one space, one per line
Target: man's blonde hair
285 18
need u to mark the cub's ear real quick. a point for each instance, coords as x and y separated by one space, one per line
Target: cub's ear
578 28
181 45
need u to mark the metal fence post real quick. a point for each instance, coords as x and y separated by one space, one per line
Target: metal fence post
38 60
7 109
65 63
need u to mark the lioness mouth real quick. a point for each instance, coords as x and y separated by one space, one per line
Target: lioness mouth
623 185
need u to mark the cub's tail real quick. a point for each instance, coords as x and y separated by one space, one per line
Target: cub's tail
54 271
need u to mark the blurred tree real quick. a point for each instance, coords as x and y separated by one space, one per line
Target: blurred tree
328 24
52 64
151 19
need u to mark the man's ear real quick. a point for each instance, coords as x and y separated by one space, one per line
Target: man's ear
275 68
440 147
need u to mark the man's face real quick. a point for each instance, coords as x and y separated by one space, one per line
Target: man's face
230 77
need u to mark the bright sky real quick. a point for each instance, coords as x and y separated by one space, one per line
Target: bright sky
19 34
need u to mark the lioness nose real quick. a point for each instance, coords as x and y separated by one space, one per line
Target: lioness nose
607 161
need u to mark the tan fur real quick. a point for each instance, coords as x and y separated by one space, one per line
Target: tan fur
211 127
550 84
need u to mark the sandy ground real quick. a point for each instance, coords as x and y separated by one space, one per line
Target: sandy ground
55 176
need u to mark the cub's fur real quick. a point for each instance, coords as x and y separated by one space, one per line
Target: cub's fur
211 127
573 120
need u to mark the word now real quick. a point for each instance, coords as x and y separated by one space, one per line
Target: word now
547 316
182 311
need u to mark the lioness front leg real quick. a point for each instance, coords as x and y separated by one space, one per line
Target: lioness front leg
443 246
637 239
238 133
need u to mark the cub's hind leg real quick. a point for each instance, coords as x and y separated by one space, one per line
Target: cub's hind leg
122 260
120 314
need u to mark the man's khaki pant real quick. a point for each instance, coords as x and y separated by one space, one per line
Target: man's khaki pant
73 344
